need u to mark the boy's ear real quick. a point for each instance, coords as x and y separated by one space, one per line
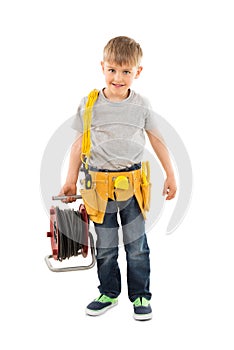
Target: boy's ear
139 70
102 64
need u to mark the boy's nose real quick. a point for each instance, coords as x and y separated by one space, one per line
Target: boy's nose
117 77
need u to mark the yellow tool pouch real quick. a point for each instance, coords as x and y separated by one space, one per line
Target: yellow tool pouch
89 197
110 185
122 187
146 190
116 186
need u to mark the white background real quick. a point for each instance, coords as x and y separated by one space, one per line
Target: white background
50 55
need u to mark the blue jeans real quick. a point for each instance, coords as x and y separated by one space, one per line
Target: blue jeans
136 248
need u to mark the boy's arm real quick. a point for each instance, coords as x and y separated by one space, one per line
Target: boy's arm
163 155
69 188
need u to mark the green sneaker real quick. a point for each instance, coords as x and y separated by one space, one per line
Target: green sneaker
142 309
101 305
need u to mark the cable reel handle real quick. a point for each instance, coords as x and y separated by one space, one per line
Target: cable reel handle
60 198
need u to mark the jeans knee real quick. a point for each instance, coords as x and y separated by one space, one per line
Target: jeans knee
107 254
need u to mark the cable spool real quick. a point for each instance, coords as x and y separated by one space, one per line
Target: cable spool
69 235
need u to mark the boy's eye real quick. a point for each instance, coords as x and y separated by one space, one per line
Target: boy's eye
126 72
111 70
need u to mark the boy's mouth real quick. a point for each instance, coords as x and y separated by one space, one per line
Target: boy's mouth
118 85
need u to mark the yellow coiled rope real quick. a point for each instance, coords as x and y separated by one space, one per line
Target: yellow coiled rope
87 117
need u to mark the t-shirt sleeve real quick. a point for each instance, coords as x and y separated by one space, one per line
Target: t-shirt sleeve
151 117
77 122
151 120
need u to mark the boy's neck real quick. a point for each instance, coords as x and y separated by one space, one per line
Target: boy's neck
115 98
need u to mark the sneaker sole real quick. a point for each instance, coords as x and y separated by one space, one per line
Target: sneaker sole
100 312
142 317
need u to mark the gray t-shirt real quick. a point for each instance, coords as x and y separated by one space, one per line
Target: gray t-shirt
117 130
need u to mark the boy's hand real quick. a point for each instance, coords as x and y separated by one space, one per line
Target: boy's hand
68 190
170 188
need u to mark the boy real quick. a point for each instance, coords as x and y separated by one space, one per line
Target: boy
120 118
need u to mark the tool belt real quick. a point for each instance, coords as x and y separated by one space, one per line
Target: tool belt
119 186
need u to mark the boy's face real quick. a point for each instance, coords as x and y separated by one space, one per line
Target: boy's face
119 79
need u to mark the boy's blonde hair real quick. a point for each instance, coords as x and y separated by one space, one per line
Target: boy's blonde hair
123 51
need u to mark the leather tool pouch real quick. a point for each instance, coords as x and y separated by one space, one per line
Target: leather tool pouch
123 195
145 190
89 197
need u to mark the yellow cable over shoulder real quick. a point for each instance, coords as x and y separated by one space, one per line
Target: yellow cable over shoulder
87 117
